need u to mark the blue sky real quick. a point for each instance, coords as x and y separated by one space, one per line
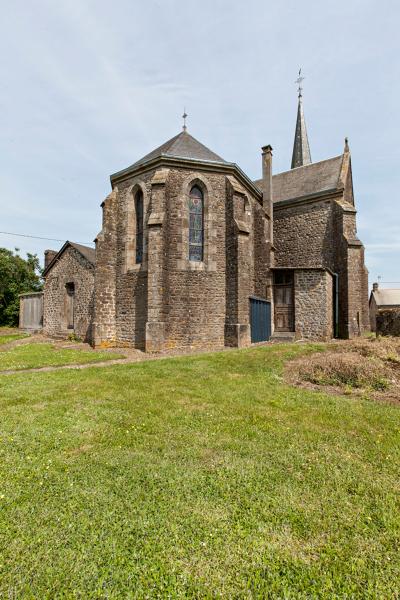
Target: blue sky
90 86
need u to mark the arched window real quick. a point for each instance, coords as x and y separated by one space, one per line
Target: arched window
139 226
196 233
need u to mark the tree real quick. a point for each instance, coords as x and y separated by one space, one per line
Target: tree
17 276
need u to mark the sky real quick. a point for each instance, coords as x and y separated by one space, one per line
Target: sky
90 86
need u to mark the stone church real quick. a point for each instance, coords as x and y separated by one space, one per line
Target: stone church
194 254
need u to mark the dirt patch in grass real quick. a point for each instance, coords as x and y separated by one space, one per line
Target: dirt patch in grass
366 366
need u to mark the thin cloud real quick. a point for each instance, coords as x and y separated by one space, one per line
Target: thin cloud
88 87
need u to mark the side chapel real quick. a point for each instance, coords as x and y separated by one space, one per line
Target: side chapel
193 253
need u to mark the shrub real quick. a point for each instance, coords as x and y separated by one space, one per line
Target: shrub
17 276
345 369
72 337
386 349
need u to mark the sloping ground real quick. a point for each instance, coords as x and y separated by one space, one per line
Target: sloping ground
196 477
31 353
366 366
7 335
36 356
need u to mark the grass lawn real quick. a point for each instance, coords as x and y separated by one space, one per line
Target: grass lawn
31 356
195 477
11 337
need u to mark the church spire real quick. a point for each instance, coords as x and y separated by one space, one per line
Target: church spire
301 149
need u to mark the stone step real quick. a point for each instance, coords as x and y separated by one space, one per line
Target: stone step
283 336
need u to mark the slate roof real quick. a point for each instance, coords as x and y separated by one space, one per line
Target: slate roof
386 297
301 148
306 180
182 145
86 251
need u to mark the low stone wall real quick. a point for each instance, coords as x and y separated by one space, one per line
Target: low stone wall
388 322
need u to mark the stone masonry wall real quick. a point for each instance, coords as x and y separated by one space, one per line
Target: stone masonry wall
104 326
353 275
131 302
303 235
313 301
169 301
323 233
72 267
388 322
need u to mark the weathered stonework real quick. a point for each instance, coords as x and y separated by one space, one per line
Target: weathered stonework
152 296
388 322
313 302
168 301
70 268
322 233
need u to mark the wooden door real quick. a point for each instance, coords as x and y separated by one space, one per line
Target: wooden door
284 300
69 305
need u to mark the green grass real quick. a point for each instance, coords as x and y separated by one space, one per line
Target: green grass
195 477
7 338
31 356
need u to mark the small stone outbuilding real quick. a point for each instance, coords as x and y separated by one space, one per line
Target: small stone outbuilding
384 310
68 291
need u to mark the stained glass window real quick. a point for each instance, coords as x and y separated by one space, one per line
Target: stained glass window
139 226
196 236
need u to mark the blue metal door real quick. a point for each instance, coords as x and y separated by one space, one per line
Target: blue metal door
260 320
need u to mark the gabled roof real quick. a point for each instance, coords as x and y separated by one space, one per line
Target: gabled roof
85 251
386 297
309 179
182 145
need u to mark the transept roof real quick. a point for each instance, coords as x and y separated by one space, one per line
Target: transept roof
305 181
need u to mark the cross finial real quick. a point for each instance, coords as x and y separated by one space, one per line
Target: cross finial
184 117
299 81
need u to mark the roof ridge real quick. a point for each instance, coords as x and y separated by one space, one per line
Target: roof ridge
183 145
75 244
79 248
318 162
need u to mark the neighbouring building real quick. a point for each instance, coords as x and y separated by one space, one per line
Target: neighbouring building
384 310
193 253
68 291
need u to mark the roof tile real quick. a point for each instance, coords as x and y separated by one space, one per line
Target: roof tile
306 180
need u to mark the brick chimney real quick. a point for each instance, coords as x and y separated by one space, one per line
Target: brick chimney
48 257
375 287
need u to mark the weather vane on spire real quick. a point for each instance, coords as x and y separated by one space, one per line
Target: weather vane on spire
184 117
299 81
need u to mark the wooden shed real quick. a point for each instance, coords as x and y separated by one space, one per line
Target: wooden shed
31 311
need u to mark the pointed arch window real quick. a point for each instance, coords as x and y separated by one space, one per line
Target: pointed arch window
139 226
196 224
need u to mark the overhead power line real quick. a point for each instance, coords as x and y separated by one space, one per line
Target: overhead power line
37 237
